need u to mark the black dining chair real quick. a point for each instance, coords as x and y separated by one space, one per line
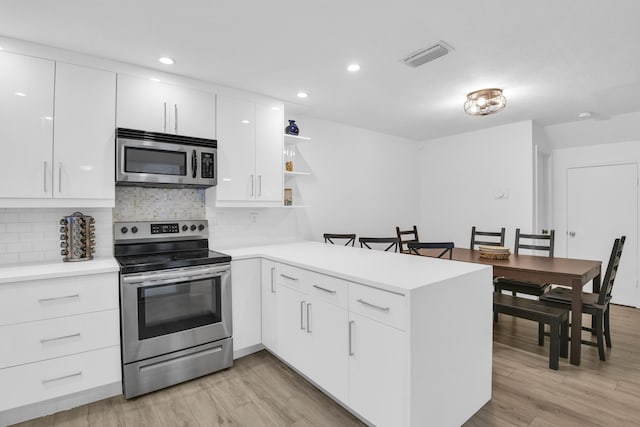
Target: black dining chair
406 236
594 304
350 239
390 242
447 247
541 243
493 235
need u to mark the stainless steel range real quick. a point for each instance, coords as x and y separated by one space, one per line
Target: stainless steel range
175 298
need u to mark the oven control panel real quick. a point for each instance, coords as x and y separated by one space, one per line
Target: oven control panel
161 230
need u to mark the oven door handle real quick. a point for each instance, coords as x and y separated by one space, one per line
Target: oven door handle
159 278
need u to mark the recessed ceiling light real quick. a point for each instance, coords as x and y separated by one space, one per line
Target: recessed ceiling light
1 48
155 80
275 108
353 68
21 94
246 121
584 115
48 118
166 60
302 94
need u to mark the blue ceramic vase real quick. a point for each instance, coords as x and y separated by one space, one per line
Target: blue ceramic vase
292 129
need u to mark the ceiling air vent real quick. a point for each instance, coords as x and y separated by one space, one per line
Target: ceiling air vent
424 55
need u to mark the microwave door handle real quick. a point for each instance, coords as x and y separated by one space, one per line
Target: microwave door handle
194 163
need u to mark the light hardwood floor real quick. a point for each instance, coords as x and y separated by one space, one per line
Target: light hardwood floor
261 391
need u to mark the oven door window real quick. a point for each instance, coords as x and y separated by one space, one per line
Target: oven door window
165 309
156 162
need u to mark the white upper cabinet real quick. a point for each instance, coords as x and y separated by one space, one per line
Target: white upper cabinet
157 107
26 108
84 133
74 161
249 152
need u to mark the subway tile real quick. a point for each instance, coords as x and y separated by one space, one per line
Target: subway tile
35 237
7 217
9 258
18 227
31 217
9 237
17 247
37 256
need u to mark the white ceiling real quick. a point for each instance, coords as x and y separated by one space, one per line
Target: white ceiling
553 58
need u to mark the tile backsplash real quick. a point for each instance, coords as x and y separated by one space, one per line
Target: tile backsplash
149 204
33 235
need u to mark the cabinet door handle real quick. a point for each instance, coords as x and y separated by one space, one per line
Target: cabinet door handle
259 185
308 325
351 322
60 177
251 185
377 307
273 271
45 177
64 377
164 125
175 118
302 315
41 300
295 279
324 289
46 340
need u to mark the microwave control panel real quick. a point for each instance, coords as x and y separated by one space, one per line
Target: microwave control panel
207 168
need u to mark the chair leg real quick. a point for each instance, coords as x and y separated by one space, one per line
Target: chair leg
564 339
540 333
599 335
554 347
495 317
607 330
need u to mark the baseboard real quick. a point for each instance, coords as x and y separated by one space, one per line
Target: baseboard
47 407
237 354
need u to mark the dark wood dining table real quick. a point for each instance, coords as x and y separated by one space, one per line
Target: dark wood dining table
574 273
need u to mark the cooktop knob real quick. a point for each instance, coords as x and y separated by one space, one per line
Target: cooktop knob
201 227
134 229
193 227
185 227
124 230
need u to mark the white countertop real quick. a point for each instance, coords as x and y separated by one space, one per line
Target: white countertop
392 271
49 270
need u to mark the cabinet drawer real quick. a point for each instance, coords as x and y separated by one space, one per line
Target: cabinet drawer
292 277
46 339
329 289
35 382
376 304
65 296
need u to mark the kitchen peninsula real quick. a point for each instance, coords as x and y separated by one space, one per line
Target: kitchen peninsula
382 333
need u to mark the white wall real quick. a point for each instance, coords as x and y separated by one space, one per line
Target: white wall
361 182
461 177
595 131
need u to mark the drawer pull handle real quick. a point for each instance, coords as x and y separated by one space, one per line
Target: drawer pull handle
324 289
295 279
50 380
46 340
302 315
273 270
308 326
377 307
58 298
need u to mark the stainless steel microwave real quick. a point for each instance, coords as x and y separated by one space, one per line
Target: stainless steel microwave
156 159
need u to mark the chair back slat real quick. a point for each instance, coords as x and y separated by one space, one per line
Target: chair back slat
446 246
475 242
612 270
392 242
350 239
536 246
406 236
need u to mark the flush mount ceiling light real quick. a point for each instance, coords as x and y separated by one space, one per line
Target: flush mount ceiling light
166 60
484 102
353 68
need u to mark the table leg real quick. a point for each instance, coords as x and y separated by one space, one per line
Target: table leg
576 323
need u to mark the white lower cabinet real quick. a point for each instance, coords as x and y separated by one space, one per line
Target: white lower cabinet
321 333
377 371
245 305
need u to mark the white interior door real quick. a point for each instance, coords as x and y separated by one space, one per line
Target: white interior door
602 204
